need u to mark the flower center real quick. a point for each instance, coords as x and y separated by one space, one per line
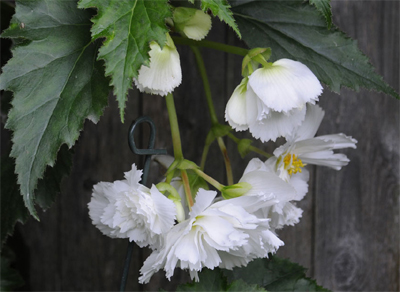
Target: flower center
292 164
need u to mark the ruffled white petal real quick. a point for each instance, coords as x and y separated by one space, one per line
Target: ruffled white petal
198 26
127 209
277 124
224 234
285 85
311 123
164 72
235 112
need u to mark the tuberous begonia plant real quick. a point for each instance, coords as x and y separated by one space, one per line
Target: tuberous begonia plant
72 52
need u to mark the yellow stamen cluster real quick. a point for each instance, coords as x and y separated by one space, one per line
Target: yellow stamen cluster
292 164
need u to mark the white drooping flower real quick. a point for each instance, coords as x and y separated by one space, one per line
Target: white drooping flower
303 148
164 72
222 234
128 209
263 178
192 23
271 101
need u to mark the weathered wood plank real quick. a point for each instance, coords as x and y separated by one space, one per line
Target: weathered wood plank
357 208
349 233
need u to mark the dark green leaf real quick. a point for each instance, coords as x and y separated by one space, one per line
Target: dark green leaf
10 278
296 30
240 285
196 182
275 274
13 209
128 27
57 84
210 280
324 7
49 187
221 8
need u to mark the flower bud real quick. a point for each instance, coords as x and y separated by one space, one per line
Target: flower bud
192 23
236 190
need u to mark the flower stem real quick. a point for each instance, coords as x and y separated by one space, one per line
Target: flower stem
211 45
213 115
176 142
209 179
173 121
186 186
251 148
229 174
206 84
204 156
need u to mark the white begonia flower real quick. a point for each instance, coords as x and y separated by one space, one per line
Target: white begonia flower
263 178
222 234
303 148
164 72
128 209
192 23
271 101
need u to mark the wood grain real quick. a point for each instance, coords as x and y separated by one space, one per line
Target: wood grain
349 234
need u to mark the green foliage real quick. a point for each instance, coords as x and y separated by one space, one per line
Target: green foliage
221 8
13 209
10 278
296 30
128 27
324 7
57 84
214 280
275 274
196 182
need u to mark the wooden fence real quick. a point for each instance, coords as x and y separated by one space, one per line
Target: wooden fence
348 237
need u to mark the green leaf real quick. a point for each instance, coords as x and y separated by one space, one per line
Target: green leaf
57 84
49 187
275 274
240 285
221 8
196 182
324 7
128 27
210 280
214 280
10 278
296 30
13 209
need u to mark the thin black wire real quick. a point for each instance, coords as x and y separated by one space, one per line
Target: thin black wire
147 158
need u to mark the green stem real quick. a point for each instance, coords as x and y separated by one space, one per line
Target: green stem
204 156
173 121
213 115
229 174
176 142
186 186
211 45
251 148
206 84
209 179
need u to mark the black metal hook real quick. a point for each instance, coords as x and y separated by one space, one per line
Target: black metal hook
147 152
150 148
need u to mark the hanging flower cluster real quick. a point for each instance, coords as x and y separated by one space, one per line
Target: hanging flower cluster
193 227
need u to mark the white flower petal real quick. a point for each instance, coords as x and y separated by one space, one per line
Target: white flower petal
277 124
311 123
339 141
202 201
164 72
235 112
267 183
285 85
198 26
